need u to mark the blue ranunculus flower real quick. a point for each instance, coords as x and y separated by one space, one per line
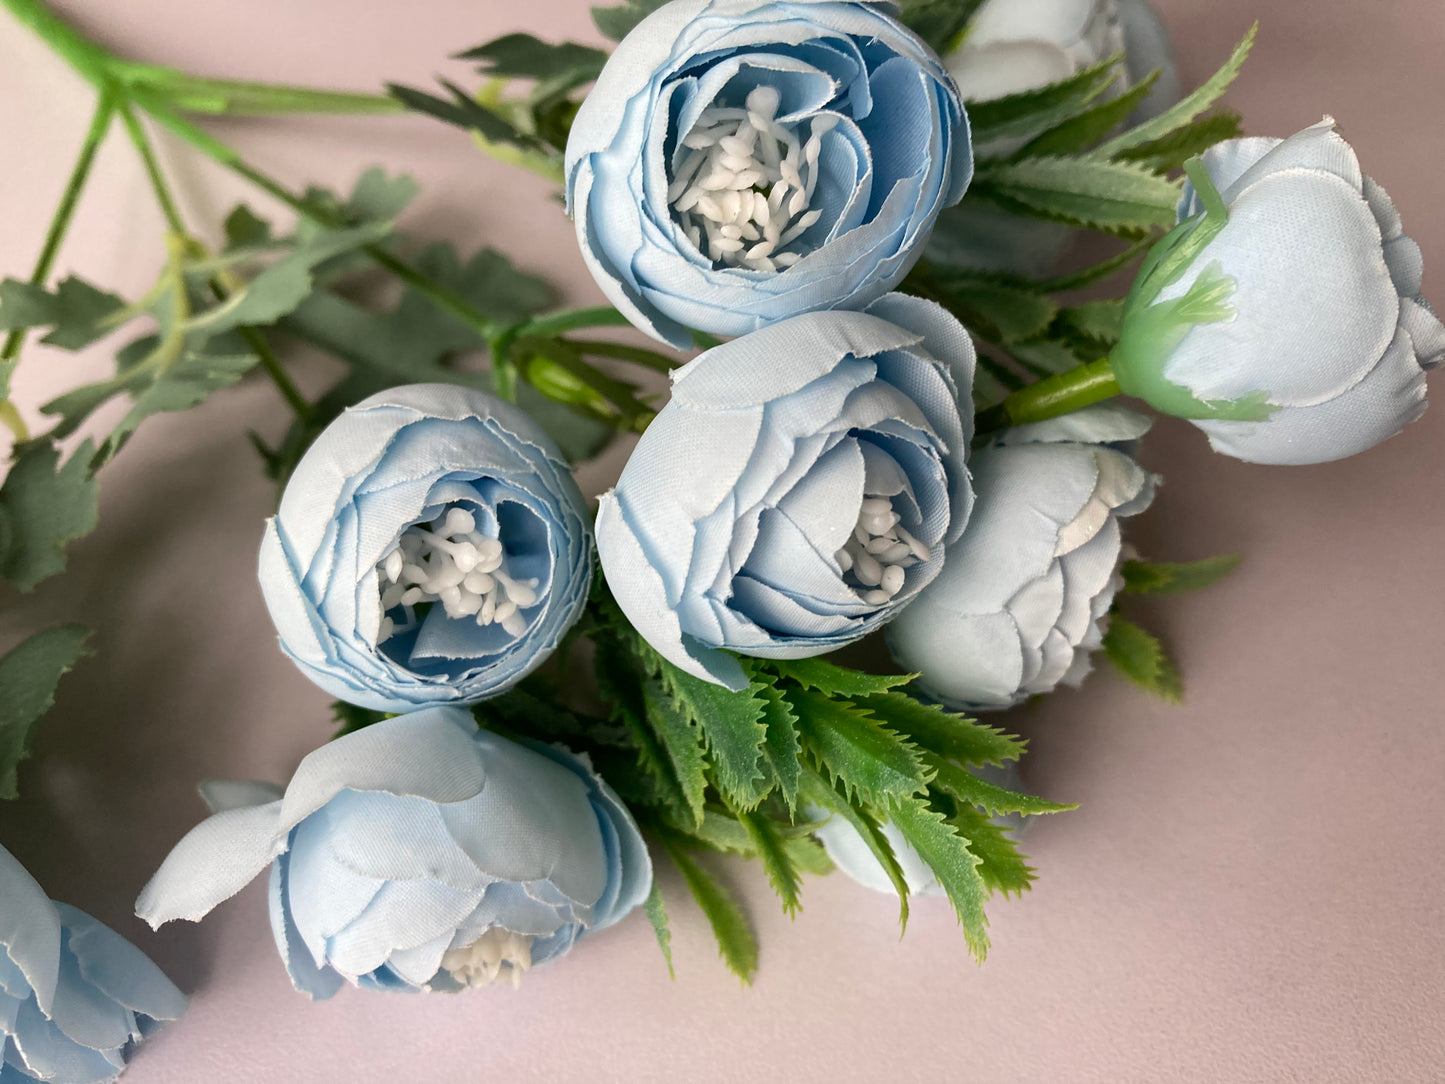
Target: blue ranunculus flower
75 996
418 853
1017 609
797 490
1287 322
743 161
430 547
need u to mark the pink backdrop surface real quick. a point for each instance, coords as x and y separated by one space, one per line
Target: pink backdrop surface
1253 889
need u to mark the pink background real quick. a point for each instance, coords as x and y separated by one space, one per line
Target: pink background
1251 891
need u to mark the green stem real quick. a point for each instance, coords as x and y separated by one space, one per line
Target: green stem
54 235
276 371
558 323
147 153
649 359
1060 394
84 55
227 97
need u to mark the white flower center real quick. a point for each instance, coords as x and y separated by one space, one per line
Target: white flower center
875 560
742 192
483 961
450 562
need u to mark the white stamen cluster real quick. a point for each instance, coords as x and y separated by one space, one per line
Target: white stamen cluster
874 561
450 562
742 192
482 962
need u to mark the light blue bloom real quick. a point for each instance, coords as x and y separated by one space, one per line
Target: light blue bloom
75 996
1013 46
418 853
1290 329
741 520
1018 606
687 134
430 547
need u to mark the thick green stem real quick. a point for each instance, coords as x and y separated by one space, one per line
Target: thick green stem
1049 398
84 55
54 235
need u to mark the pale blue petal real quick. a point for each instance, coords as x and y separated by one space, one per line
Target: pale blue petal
118 970
223 794
214 861
29 931
317 983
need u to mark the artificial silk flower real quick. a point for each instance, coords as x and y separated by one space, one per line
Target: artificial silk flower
1283 316
797 490
743 161
1022 598
75 996
430 547
418 853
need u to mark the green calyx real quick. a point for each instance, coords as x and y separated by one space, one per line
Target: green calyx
1152 329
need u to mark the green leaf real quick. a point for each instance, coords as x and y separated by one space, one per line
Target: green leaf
657 915
1186 110
969 788
681 740
834 680
1026 114
941 23
781 749
46 506
621 687
1167 578
616 23
736 943
185 384
245 230
1094 273
1115 197
732 724
856 749
1098 321
1090 126
771 849
463 111
1000 864
1141 658
29 675
1001 313
1043 357
1172 151
946 853
377 197
76 312
937 730
820 793
526 57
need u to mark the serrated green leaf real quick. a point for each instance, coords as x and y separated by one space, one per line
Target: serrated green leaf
834 680
781 749
822 794
855 748
1000 864
736 943
656 911
1170 578
1088 127
29 675
1026 114
245 230
1141 658
1115 197
1180 114
523 56
378 197
616 23
620 686
185 384
1000 313
1172 151
681 739
732 724
463 111
1044 357
1098 321
771 849
76 312
946 853
47 506
940 731
969 788
808 856
941 23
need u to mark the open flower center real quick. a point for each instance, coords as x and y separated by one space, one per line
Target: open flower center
449 561
484 961
742 191
875 560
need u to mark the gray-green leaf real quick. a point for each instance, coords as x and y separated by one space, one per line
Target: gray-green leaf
29 675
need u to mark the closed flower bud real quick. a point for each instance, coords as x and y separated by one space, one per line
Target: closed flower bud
430 547
416 853
798 489
75 997
1019 605
1283 316
741 162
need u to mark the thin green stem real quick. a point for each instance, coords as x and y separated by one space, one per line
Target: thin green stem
54 236
649 359
558 323
228 97
1060 394
277 372
147 153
